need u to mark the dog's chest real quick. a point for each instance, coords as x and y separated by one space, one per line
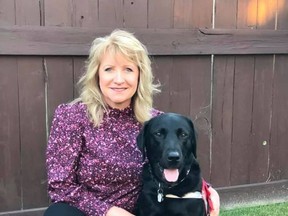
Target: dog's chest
176 207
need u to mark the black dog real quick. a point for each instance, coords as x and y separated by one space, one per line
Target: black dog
172 182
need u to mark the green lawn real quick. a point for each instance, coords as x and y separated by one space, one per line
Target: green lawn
266 210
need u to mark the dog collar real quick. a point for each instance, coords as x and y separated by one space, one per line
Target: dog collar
190 195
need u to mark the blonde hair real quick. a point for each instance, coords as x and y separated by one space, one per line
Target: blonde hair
129 46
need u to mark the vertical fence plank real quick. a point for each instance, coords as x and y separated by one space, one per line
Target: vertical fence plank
78 70
266 14
33 131
262 100
279 127
32 115
59 70
242 115
190 14
190 84
10 161
10 143
58 13
27 12
85 13
160 13
7 15
247 14
225 14
60 82
162 68
222 99
282 20
223 84
111 13
135 13
262 103
183 14
196 13
202 11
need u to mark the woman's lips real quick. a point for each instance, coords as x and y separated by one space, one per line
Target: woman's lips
118 89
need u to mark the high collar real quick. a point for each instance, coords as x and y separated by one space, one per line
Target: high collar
115 112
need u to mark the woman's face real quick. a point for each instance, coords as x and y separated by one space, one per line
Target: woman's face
118 80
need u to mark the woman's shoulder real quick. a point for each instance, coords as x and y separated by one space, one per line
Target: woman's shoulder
72 110
156 112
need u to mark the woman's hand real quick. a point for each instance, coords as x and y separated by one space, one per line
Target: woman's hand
214 196
116 211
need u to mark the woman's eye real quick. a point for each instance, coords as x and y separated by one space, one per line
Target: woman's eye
107 69
129 70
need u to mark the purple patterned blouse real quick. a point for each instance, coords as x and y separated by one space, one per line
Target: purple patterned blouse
94 168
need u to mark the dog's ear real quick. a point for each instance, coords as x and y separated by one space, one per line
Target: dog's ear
193 138
141 140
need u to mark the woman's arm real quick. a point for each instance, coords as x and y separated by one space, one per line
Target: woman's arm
62 155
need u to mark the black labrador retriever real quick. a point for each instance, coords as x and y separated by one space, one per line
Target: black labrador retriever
172 181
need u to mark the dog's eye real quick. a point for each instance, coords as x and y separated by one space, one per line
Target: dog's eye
183 135
158 134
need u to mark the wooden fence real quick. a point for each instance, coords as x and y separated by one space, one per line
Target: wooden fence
221 62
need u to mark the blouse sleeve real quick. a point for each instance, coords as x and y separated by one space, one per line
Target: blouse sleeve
63 151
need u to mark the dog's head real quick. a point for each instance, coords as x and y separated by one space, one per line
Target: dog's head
169 143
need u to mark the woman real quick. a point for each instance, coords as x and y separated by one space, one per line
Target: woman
93 164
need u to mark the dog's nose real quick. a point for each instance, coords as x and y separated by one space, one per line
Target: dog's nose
173 156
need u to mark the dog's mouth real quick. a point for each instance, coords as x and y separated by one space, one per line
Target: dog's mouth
171 175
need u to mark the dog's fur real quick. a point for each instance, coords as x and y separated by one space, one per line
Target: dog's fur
169 143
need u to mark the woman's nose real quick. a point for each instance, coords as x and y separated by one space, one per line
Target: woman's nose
119 77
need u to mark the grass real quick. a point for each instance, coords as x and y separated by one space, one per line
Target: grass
266 210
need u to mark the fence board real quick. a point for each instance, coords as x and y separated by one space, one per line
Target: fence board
223 84
135 14
58 13
162 70
59 71
225 14
279 150
10 143
282 20
33 131
32 115
261 117
242 115
262 99
7 16
85 13
76 41
202 11
190 83
222 104
160 14
78 70
27 12
114 18
183 14
60 83
247 14
10 162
